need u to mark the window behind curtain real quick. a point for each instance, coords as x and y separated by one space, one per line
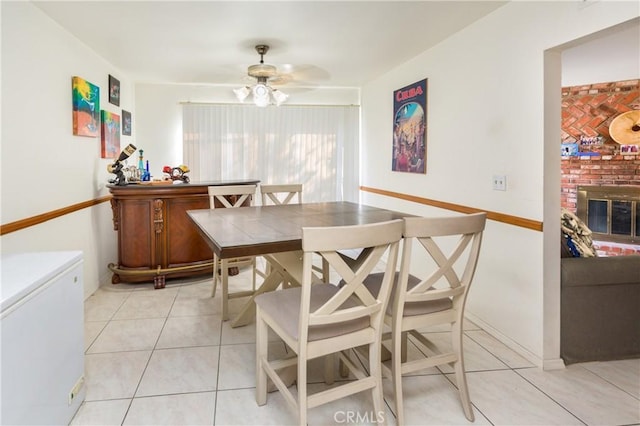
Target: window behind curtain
313 145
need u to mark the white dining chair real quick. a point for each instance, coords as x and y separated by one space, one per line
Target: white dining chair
435 295
231 196
281 194
323 319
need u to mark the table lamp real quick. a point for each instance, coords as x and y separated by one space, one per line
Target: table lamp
116 167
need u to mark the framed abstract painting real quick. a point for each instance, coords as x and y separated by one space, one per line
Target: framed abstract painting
409 151
114 90
126 123
85 107
110 141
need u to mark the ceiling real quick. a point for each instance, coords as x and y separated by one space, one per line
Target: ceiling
313 43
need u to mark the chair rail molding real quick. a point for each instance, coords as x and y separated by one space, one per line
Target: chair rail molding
495 216
53 214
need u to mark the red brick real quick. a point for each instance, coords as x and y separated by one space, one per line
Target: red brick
596 121
569 121
627 83
630 98
588 131
622 108
607 86
582 121
597 100
577 108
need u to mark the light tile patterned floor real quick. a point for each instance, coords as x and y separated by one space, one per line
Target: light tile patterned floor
165 357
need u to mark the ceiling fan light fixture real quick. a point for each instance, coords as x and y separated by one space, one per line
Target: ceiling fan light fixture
242 93
262 92
279 97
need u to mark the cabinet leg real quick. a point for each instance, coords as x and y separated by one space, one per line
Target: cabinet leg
158 282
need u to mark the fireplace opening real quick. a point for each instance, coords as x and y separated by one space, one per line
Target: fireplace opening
611 212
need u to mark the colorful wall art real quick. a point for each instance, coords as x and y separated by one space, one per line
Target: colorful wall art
110 141
410 128
86 107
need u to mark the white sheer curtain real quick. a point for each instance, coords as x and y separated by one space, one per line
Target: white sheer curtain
313 145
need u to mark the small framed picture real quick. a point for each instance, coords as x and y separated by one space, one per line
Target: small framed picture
126 123
629 149
569 149
114 90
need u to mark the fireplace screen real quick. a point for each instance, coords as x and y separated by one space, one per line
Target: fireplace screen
611 212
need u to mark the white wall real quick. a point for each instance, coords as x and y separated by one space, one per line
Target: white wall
159 120
486 116
44 166
591 61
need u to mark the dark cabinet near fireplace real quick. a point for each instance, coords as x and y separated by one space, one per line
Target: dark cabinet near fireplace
156 238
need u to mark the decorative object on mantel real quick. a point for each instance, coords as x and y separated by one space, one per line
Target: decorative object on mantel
86 107
410 128
178 173
591 140
263 94
625 128
569 149
114 90
145 175
116 167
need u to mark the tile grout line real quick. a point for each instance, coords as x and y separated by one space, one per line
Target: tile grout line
215 401
551 398
611 383
144 370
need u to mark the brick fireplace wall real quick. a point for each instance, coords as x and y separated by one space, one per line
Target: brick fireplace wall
587 112
596 171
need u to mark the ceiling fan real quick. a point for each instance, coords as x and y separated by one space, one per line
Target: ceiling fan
263 94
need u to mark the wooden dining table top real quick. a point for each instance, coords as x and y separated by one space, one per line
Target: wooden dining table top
252 231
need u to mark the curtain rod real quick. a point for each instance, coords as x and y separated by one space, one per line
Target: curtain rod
250 105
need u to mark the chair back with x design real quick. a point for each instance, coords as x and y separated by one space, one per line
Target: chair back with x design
281 194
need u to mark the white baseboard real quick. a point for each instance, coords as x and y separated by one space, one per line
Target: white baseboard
554 364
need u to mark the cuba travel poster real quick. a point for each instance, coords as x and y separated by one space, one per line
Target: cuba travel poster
410 128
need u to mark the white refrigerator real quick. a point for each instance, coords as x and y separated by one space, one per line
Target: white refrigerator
41 337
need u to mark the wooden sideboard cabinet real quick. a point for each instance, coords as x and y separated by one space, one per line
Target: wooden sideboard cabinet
156 238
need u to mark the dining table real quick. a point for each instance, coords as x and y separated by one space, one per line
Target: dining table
275 232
